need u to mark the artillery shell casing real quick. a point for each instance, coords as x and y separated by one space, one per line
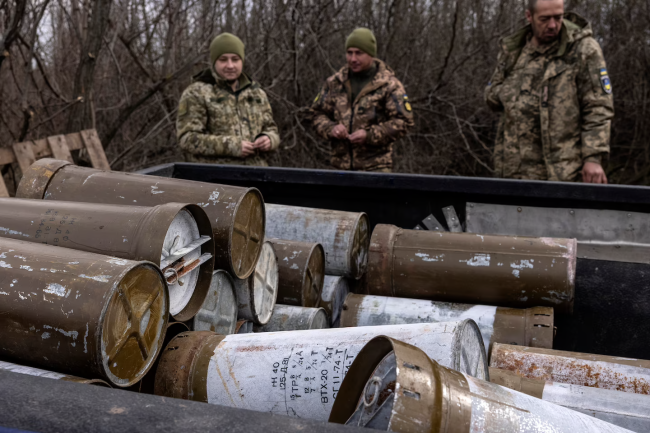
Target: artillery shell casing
296 373
257 294
394 386
624 409
127 232
80 313
292 318
8 366
301 272
506 271
219 311
597 371
236 214
244 327
343 235
335 290
528 327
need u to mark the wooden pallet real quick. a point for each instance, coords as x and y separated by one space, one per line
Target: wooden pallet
56 146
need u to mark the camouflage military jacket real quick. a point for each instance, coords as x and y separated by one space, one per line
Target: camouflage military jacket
557 104
381 108
213 120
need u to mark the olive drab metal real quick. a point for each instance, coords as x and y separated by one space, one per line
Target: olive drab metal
236 214
256 295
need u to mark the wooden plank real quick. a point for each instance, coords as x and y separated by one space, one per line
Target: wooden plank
4 192
7 156
24 154
60 148
74 141
41 148
95 149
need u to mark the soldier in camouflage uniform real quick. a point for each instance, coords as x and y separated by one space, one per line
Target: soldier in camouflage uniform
552 86
362 109
224 117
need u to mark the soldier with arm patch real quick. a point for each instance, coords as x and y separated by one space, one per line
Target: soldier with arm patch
553 90
223 116
362 109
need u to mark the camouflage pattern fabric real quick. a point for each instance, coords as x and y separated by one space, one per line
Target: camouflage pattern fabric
381 108
556 102
213 120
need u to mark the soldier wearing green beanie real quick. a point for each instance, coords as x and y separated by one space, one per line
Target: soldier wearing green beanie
362 109
223 116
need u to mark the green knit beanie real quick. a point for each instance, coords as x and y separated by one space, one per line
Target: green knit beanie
363 39
225 43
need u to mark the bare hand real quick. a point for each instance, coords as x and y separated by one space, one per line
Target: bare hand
247 148
358 137
263 143
339 132
592 172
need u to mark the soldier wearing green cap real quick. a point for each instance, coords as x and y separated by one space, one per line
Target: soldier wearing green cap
362 109
223 116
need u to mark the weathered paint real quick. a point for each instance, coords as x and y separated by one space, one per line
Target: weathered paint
244 327
624 409
21 369
598 371
299 373
426 397
335 290
257 294
292 318
301 272
529 327
219 311
505 271
343 235
110 327
236 214
129 232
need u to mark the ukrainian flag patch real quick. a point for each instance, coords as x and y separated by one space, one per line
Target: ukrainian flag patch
605 81
407 105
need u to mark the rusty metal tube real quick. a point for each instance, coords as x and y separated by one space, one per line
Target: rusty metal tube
394 386
257 294
296 373
292 318
244 327
529 327
8 366
597 371
335 290
630 411
507 271
236 214
170 235
80 313
343 235
301 272
219 311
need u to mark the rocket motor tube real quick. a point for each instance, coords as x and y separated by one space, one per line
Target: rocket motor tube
127 232
236 214
296 373
531 327
506 271
426 397
80 313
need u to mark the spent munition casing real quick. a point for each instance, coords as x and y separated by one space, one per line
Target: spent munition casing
8 366
292 318
256 295
335 290
219 311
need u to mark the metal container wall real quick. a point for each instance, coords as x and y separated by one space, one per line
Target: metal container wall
343 235
80 313
297 373
292 318
244 327
172 235
630 411
506 271
598 371
301 267
530 327
8 366
236 214
335 290
219 311
394 386
257 294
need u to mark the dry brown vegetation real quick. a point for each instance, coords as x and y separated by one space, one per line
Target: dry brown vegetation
120 66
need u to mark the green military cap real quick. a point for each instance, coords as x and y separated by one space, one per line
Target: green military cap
226 43
363 39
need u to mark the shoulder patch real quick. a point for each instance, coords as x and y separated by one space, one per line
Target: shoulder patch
317 98
605 81
407 104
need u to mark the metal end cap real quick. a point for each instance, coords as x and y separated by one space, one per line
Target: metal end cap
247 233
358 258
36 179
314 277
378 279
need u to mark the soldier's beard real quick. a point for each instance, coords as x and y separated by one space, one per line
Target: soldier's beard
545 38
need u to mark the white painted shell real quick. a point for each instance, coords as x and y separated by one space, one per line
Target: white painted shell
257 294
219 311
335 289
292 318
